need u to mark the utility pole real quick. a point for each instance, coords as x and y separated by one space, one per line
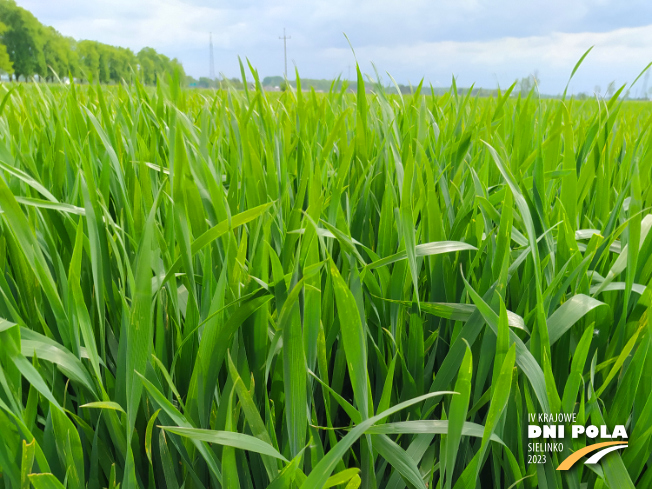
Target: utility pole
285 51
211 66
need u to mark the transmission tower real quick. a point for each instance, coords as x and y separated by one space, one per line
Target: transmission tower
285 51
211 66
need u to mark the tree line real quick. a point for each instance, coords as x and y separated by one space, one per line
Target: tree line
29 48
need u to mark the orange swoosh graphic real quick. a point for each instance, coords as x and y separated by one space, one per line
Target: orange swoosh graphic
571 459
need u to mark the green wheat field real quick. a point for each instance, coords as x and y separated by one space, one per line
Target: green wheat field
225 289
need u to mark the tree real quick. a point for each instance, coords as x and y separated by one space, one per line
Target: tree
73 58
526 85
176 66
147 65
205 82
121 62
152 66
104 53
89 60
29 48
56 52
536 79
22 39
6 65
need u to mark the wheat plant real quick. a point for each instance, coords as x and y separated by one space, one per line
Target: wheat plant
229 289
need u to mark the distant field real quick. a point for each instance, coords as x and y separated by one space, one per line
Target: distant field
249 289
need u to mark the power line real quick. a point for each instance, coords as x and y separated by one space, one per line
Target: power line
285 51
211 67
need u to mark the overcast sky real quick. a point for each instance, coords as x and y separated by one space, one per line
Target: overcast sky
478 41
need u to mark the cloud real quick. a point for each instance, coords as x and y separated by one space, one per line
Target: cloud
478 40
617 55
